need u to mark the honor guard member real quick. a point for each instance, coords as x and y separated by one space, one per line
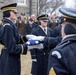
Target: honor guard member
62 59
13 43
40 56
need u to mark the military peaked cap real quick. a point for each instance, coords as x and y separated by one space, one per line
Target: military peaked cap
43 17
68 14
9 7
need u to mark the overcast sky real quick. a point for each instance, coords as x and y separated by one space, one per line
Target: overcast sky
70 3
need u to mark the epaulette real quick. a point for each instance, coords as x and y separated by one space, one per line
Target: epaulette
7 24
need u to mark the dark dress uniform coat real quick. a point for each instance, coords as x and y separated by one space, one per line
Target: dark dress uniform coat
62 59
10 56
39 67
53 41
56 36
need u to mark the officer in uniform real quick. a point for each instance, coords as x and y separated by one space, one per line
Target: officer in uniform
13 43
40 56
62 59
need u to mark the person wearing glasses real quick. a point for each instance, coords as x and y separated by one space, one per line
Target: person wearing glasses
13 43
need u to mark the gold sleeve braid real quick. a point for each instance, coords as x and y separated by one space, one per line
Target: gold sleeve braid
48 43
22 49
7 24
22 39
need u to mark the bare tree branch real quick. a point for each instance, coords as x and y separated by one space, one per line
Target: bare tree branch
52 4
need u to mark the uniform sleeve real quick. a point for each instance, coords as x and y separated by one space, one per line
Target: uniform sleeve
10 42
57 64
51 42
23 39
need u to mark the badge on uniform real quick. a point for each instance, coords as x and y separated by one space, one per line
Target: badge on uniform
57 54
52 72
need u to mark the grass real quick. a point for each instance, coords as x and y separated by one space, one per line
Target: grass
26 64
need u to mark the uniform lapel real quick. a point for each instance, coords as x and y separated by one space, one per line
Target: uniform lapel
41 31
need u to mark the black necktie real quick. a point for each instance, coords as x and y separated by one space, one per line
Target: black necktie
45 31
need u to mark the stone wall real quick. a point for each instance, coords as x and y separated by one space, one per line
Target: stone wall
24 9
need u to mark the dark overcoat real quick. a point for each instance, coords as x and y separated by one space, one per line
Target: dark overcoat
62 59
10 56
40 57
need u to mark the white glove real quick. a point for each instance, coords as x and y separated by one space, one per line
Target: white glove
33 37
33 42
40 46
30 36
40 38
35 60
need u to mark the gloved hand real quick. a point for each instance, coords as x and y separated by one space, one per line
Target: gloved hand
34 60
40 46
30 36
39 38
32 42
33 37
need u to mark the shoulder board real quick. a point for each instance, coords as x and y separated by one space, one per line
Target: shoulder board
7 24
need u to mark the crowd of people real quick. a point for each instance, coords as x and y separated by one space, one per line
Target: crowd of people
51 47
26 23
